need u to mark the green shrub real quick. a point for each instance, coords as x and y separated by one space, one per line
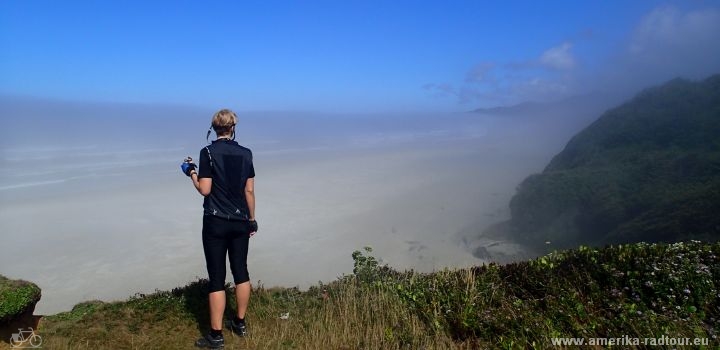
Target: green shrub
639 290
16 297
636 290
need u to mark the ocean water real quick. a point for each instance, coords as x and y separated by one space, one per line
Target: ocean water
104 217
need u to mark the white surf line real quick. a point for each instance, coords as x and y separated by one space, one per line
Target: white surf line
31 184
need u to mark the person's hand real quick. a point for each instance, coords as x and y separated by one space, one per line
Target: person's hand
253 227
188 166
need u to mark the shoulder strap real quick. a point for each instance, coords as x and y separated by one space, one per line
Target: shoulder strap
209 156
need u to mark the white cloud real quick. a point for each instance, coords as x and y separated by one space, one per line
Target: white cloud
666 43
481 73
539 89
441 89
558 57
682 43
667 27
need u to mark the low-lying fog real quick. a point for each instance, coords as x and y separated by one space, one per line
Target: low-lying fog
93 204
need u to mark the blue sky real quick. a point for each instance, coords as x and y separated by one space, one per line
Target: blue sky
349 56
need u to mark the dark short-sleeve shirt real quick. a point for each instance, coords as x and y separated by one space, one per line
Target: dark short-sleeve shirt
229 165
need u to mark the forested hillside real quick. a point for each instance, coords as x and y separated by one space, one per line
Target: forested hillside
648 170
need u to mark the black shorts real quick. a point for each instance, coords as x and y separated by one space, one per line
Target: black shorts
222 237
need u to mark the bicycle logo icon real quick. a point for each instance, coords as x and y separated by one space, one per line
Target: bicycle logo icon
25 339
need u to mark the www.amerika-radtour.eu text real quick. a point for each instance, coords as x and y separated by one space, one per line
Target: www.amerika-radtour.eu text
630 341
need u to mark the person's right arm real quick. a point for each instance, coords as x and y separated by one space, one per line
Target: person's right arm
202 184
202 180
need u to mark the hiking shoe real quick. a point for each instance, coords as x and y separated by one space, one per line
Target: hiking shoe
238 328
210 342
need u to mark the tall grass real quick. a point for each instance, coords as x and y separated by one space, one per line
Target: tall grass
638 290
340 315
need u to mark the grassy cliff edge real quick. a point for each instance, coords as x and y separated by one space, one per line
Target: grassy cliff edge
636 290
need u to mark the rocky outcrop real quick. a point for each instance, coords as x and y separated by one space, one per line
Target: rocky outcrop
17 301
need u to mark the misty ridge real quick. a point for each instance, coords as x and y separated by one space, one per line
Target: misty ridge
416 187
645 171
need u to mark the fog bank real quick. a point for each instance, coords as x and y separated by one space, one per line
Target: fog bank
93 206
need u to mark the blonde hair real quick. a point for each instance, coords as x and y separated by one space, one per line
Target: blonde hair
223 121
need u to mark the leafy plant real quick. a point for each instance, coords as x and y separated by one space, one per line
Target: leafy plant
16 296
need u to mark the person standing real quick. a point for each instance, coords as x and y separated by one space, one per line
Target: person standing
226 178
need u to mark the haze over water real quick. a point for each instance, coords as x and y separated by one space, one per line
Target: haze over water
369 142
105 212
